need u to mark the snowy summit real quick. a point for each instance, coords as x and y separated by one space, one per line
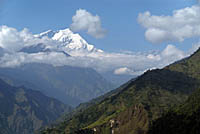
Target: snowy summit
69 42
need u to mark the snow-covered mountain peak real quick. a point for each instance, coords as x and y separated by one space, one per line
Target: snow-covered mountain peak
69 41
61 34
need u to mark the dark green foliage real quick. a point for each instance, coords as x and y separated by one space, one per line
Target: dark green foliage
84 131
169 80
184 119
173 123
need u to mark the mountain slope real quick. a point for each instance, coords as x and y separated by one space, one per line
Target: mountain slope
71 85
132 109
23 111
183 119
189 66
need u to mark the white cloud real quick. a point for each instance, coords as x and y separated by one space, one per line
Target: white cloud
17 59
83 20
119 63
183 24
10 38
13 40
127 71
172 51
194 48
123 70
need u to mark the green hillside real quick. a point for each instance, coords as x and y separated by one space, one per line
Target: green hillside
132 109
183 119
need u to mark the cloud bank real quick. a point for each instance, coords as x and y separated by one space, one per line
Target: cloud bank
85 21
183 24
119 63
122 63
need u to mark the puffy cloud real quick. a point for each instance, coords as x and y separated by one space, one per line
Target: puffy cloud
123 70
126 71
184 23
172 51
83 20
13 40
10 38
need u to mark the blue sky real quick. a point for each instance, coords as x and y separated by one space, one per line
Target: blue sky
118 17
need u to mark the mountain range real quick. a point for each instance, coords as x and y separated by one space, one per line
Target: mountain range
132 108
146 104
24 111
33 95
71 85
72 44
56 48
